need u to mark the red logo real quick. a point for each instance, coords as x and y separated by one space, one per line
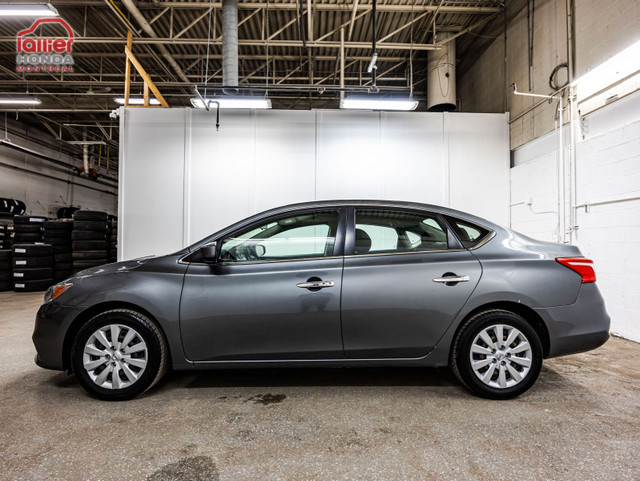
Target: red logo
44 54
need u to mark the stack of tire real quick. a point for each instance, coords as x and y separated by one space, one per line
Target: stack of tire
113 241
89 239
28 229
32 267
5 236
58 234
5 270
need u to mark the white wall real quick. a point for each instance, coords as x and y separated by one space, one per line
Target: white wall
180 180
608 168
42 195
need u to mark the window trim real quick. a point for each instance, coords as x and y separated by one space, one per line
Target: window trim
453 243
338 247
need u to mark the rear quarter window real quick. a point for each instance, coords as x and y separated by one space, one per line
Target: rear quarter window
470 235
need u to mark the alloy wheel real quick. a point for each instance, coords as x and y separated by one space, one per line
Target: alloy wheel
501 356
115 356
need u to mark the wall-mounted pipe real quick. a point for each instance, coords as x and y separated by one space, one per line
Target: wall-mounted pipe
47 176
38 155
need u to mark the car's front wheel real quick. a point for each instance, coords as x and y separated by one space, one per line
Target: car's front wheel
497 354
119 354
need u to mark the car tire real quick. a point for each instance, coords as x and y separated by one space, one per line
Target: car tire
492 369
149 366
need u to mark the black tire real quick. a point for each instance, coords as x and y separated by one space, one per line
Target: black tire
62 266
80 265
88 235
28 219
90 225
24 238
6 286
5 254
89 245
58 225
27 228
32 250
32 274
32 286
28 262
90 215
5 265
156 357
65 257
57 241
65 249
461 355
89 255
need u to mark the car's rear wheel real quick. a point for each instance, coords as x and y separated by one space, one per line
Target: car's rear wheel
497 354
119 354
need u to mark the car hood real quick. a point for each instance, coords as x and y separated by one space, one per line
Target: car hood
123 266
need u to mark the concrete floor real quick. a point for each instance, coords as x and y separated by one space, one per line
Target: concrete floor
581 421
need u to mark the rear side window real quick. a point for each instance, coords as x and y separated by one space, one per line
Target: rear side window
390 231
469 234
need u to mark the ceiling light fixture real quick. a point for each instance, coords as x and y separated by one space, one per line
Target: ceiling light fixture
378 104
137 101
28 10
234 103
19 101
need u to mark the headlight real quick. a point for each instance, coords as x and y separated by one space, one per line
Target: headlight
55 291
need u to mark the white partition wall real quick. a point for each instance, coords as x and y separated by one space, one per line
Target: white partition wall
181 180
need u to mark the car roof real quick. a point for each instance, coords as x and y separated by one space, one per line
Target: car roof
381 203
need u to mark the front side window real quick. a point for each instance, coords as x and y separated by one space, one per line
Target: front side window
389 231
302 235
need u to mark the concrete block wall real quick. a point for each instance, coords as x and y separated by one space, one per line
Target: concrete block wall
607 169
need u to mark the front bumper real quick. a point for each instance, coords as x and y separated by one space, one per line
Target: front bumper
581 326
52 323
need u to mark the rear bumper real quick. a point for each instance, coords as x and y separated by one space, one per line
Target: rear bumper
579 327
52 323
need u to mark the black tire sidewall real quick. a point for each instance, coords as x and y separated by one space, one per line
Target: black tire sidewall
465 340
130 319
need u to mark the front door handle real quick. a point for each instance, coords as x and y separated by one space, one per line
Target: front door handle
316 284
446 279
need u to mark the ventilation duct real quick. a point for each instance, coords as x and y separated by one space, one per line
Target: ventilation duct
230 45
441 71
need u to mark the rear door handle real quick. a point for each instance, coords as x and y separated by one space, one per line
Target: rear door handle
447 279
316 284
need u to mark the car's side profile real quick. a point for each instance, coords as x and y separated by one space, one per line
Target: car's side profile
330 283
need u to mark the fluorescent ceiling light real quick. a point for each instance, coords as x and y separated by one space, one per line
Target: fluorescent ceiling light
19 101
618 69
234 103
28 10
137 101
378 104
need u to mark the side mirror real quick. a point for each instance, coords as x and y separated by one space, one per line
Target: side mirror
209 253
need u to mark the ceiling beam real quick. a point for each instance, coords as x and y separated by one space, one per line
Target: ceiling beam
246 43
293 5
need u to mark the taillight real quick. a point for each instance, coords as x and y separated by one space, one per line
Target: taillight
581 265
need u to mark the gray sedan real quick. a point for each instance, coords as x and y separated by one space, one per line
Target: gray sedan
333 283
